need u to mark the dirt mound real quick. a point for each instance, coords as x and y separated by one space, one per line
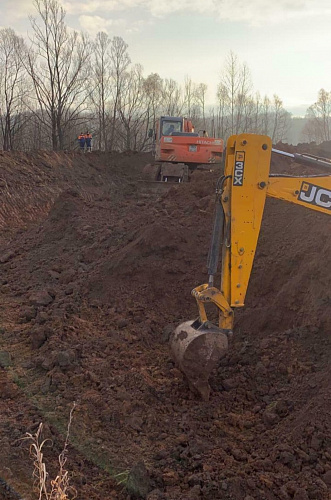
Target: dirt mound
30 182
93 277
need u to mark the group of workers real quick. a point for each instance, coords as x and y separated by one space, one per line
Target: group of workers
85 142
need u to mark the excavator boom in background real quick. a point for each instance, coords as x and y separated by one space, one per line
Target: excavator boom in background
178 149
198 345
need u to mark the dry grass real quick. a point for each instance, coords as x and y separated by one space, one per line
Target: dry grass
47 488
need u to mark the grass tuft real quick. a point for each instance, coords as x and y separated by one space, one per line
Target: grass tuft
58 488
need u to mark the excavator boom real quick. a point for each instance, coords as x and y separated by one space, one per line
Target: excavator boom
198 345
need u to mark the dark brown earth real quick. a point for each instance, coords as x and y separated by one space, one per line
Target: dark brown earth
94 273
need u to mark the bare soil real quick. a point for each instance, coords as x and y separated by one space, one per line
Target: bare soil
94 273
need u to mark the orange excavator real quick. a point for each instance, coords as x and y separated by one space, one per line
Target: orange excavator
178 149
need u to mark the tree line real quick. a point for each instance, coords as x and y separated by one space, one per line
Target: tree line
60 82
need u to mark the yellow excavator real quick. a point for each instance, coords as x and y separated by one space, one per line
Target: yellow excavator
198 346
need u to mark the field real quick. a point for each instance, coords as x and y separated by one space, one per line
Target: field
95 272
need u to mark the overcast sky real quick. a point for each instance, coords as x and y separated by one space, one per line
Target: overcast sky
285 43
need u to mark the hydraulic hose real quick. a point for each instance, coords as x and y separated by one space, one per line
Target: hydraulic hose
306 159
217 233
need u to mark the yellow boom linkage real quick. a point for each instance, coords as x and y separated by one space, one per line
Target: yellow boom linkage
198 345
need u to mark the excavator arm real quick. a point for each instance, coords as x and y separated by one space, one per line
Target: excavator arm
241 193
312 192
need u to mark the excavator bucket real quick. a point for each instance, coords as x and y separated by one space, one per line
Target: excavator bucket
197 350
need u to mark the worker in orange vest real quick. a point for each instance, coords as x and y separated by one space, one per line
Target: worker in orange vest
81 140
88 142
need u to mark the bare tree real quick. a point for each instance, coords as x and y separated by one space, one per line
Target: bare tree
239 110
235 87
13 85
58 66
281 120
172 98
133 110
248 114
243 96
102 85
120 61
200 96
153 91
318 126
189 95
265 118
222 112
230 82
256 119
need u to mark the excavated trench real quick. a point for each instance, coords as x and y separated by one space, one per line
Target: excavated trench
94 274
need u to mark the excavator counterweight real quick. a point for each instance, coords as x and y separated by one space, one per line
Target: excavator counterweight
178 150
